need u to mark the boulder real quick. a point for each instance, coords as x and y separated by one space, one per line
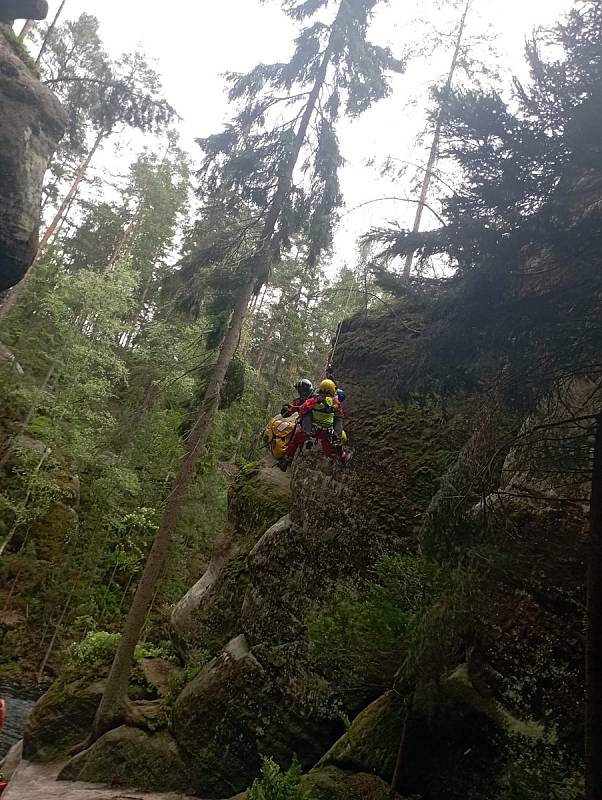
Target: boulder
208 615
330 783
60 719
31 125
11 10
454 745
371 743
131 757
243 705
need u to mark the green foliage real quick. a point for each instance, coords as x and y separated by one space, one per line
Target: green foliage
369 631
19 49
539 772
93 653
179 679
412 619
277 785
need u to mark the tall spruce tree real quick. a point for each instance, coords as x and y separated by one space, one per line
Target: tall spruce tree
288 172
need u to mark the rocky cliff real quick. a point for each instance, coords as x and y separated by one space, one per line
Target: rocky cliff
506 694
31 124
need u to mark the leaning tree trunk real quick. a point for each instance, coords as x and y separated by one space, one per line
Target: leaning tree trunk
593 643
434 153
27 27
50 31
113 707
80 175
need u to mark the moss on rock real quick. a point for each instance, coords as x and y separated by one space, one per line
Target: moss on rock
131 757
244 705
256 500
60 719
370 743
454 745
330 783
209 615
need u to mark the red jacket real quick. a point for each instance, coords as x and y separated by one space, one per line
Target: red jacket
292 407
307 406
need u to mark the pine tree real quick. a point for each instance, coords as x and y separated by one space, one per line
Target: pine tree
334 67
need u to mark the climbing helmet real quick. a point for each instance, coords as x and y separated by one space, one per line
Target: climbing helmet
328 387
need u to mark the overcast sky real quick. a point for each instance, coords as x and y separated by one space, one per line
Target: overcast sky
194 41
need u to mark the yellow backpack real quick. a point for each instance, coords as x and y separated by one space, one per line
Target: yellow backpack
279 433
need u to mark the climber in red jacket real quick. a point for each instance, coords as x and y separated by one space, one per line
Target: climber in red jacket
305 390
322 417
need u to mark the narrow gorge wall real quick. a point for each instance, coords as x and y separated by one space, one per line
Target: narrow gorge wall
31 125
278 562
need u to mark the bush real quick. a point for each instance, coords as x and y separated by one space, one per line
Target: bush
94 655
94 652
181 677
277 785
540 772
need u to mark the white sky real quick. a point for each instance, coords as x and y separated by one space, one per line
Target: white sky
194 41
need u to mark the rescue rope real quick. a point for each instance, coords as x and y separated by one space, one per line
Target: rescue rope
339 327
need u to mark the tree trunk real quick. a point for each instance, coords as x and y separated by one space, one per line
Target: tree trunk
81 172
125 239
593 642
24 32
29 416
12 298
434 152
19 519
400 752
50 30
113 706
112 709
55 633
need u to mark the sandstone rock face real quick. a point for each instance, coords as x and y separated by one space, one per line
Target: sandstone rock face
31 124
245 704
208 615
263 694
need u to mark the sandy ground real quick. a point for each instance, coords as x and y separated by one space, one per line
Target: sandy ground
37 782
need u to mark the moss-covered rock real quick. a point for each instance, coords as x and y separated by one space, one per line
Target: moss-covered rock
330 783
370 744
246 704
208 615
132 757
60 719
454 745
